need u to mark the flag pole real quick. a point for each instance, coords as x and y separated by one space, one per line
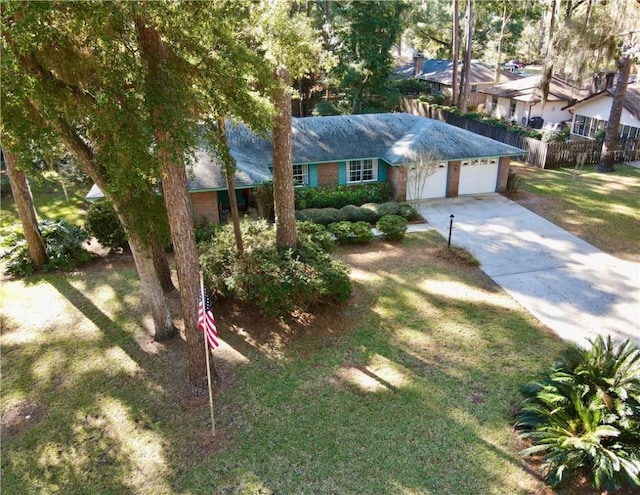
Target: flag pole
206 352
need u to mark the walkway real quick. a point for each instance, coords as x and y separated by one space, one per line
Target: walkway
575 289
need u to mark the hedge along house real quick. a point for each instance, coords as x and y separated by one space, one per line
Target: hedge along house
358 149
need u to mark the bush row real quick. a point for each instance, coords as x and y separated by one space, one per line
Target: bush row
342 195
368 212
279 281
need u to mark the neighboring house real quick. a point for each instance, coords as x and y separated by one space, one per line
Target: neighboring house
520 100
439 75
357 149
591 114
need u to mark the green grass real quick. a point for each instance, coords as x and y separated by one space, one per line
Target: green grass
602 209
49 201
409 388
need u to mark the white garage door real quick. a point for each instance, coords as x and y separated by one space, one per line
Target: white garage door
420 185
478 176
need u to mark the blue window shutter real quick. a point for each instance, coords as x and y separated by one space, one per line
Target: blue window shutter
342 172
313 174
382 171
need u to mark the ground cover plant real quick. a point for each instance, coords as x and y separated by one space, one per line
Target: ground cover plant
600 208
407 388
583 416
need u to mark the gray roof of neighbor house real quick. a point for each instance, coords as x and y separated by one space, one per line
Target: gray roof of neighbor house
526 89
441 71
631 99
395 137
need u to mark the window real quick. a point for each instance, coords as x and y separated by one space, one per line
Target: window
474 88
300 175
362 171
494 104
512 108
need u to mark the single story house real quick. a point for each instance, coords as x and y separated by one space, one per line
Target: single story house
357 149
520 100
592 114
439 74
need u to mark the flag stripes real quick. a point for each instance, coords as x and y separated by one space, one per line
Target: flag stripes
206 321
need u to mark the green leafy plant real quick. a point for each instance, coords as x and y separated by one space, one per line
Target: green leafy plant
393 227
341 195
351 232
352 213
514 181
279 281
103 224
62 244
583 416
323 216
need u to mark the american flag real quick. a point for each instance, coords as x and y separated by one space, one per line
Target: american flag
206 322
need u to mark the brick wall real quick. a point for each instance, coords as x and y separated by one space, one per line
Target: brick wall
327 174
504 173
397 177
454 179
205 206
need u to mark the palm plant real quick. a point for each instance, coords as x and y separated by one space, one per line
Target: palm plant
584 415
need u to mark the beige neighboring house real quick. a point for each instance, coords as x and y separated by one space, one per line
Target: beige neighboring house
439 74
520 101
591 114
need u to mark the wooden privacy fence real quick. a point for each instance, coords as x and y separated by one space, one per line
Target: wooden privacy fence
539 154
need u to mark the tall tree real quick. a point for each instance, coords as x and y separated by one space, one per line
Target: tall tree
26 210
293 48
455 49
466 66
613 124
46 73
365 32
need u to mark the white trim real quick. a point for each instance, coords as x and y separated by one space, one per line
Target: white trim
362 170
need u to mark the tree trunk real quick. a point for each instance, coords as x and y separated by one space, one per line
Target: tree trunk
229 171
141 250
611 139
161 262
467 58
455 49
283 195
26 211
547 66
174 186
505 20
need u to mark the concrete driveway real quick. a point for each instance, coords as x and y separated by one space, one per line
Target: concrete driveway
575 289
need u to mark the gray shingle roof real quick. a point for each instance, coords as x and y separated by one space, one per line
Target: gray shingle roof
395 137
441 71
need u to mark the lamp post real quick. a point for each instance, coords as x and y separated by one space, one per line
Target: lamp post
450 229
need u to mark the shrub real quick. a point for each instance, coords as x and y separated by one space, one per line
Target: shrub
279 281
554 137
352 213
393 227
206 230
103 224
351 232
324 108
342 195
315 234
392 208
323 216
407 211
583 416
62 244
514 181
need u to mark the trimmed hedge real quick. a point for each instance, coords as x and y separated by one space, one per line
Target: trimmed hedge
351 232
393 227
368 212
342 195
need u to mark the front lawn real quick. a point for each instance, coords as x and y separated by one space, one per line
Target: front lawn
409 388
602 209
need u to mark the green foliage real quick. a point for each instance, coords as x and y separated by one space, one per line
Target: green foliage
62 244
323 216
584 415
393 227
324 108
351 213
103 224
514 181
263 194
351 232
310 233
341 195
205 231
279 281
407 87
554 137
